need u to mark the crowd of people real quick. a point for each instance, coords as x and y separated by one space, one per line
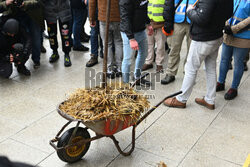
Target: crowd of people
145 27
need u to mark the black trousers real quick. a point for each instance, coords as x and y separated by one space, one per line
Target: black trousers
64 31
6 69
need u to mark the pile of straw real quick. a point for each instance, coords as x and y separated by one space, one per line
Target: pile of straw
113 102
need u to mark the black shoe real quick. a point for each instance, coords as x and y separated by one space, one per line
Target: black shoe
23 70
118 72
81 48
54 57
220 87
85 38
43 50
67 62
93 61
143 82
101 54
245 66
111 73
168 79
231 94
36 65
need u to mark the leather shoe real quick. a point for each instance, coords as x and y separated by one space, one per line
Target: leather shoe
173 102
159 69
231 94
220 87
147 67
201 101
168 79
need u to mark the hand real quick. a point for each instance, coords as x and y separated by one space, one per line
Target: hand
228 30
133 44
167 29
150 30
8 2
11 58
92 23
190 7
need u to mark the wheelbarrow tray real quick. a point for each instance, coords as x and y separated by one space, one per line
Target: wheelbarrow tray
104 126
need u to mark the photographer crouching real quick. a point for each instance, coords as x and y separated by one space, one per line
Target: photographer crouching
15 46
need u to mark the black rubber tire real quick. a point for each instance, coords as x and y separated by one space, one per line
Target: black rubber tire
63 154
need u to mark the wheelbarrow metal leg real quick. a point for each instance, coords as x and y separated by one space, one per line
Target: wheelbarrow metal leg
74 132
119 148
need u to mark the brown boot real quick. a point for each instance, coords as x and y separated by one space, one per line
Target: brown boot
147 66
173 102
93 61
201 101
159 69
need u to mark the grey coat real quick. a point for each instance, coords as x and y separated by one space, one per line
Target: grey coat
57 10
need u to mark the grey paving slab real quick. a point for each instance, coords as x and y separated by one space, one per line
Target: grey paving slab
8 127
199 159
141 158
19 152
26 111
12 91
224 144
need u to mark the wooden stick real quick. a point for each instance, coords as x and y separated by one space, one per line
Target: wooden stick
104 72
195 3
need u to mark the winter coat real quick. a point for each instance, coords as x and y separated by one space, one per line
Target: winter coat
208 19
133 14
57 10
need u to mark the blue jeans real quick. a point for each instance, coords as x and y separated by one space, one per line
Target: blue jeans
77 26
35 32
141 38
94 35
239 55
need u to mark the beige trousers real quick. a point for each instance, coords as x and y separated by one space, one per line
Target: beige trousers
159 39
175 43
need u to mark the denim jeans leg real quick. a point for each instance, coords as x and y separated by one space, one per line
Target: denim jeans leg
226 57
239 57
94 39
36 41
141 38
126 63
77 26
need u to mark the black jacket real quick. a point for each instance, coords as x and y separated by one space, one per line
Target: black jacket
134 17
6 43
77 4
208 19
168 14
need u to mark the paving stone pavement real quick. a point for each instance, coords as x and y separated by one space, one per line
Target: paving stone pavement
191 137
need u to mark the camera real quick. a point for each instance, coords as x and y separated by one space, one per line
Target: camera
17 52
18 3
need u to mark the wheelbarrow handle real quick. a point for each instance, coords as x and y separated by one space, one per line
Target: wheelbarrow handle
157 105
139 79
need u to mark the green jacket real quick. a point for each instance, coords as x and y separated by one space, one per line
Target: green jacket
33 8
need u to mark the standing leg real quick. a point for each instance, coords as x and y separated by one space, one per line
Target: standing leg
127 53
64 30
160 53
118 48
52 32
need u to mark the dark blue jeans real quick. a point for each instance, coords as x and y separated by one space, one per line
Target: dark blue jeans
239 55
77 25
35 32
94 35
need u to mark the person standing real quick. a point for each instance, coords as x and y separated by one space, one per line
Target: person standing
114 61
176 18
207 23
236 43
155 13
58 10
133 14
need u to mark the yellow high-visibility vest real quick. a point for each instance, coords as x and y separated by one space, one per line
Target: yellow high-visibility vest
155 10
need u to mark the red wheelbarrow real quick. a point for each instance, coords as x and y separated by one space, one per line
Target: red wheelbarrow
73 144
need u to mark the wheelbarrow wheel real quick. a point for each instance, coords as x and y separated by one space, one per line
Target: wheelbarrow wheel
74 153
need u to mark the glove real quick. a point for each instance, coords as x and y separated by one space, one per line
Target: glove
167 28
228 30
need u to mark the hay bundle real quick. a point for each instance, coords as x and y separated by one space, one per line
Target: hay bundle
114 102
